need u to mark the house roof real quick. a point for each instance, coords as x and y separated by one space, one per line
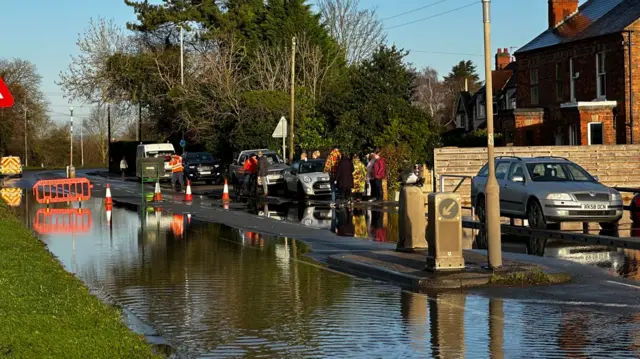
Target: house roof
465 98
594 18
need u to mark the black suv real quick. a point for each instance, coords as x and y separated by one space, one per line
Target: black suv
201 166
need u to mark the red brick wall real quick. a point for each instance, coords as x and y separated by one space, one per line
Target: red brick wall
624 108
584 63
560 10
528 128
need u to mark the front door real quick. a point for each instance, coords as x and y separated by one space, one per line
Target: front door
513 194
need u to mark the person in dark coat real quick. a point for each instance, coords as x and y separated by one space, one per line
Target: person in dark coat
344 178
263 172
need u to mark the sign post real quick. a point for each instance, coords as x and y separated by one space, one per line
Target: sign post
6 99
281 132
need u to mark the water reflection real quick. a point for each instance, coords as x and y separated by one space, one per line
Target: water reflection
214 291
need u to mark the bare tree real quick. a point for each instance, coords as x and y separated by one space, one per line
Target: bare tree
430 93
87 77
96 126
358 31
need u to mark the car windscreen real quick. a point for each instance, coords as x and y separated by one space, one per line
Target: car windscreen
199 157
272 158
558 172
310 167
156 154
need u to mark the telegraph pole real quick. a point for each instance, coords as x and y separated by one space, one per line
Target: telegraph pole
108 136
182 72
26 148
293 94
492 189
71 142
81 143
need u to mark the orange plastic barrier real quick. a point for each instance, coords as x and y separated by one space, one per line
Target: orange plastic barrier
62 190
62 220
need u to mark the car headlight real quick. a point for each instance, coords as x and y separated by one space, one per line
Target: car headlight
615 196
192 166
216 166
559 197
306 179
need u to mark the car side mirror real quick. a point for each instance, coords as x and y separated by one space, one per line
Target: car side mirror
596 178
518 179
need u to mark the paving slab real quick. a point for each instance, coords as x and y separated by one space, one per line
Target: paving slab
408 269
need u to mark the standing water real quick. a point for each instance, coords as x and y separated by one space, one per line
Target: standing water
213 291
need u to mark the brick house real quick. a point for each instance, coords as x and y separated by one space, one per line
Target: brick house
470 109
574 79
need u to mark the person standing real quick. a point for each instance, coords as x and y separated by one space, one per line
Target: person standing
315 155
250 171
263 172
123 166
370 182
331 168
344 178
379 174
359 177
176 172
303 157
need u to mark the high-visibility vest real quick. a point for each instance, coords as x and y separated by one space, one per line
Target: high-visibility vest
176 164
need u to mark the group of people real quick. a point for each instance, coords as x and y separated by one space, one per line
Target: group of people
256 168
350 177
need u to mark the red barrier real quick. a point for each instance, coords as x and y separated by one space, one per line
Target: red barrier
62 190
62 220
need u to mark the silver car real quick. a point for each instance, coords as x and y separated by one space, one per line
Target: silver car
306 179
548 190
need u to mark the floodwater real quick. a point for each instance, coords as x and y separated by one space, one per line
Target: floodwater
213 291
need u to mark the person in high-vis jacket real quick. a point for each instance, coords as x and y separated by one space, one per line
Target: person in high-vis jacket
176 172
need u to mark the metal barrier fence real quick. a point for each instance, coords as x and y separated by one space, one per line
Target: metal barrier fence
62 190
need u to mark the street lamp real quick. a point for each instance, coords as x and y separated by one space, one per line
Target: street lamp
182 72
71 142
492 189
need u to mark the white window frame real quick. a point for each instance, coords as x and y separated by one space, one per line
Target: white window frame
601 77
535 86
573 135
572 87
589 131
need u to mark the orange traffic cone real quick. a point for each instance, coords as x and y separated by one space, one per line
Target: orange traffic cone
225 192
157 195
225 204
109 207
188 197
107 199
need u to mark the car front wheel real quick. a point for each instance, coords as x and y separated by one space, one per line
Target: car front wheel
535 215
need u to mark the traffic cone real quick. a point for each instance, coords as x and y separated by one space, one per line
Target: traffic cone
225 204
107 198
109 207
157 195
188 197
225 192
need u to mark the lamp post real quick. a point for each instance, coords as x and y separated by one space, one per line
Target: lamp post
71 142
182 72
492 190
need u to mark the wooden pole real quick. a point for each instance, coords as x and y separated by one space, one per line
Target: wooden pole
293 94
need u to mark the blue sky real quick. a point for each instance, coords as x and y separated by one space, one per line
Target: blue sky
52 28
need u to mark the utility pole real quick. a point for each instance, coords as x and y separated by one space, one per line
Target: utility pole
108 136
81 143
71 142
182 71
293 96
492 189
140 122
26 148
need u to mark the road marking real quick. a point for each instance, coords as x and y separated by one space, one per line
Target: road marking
623 284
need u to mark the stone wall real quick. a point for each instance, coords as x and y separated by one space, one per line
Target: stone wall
617 165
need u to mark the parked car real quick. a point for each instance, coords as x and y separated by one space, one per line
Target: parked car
276 167
201 166
307 179
548 190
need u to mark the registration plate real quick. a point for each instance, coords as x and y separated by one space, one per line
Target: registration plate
205 172
325 186
595 206
273 177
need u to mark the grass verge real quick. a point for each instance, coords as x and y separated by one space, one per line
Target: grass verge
46 312
522 278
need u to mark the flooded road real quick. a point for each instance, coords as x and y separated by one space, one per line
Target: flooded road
213 291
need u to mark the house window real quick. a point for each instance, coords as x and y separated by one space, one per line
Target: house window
596 133
572 82
559 82
601 80
480 108
533 80
573 135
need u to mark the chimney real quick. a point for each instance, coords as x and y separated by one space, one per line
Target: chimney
559 10
503 58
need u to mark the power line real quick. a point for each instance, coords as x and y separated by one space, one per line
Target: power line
432 16
443 53
414 10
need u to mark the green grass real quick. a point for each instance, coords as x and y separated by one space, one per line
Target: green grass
522 278
45 312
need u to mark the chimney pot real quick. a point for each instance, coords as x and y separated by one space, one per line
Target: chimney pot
499 50
506 50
